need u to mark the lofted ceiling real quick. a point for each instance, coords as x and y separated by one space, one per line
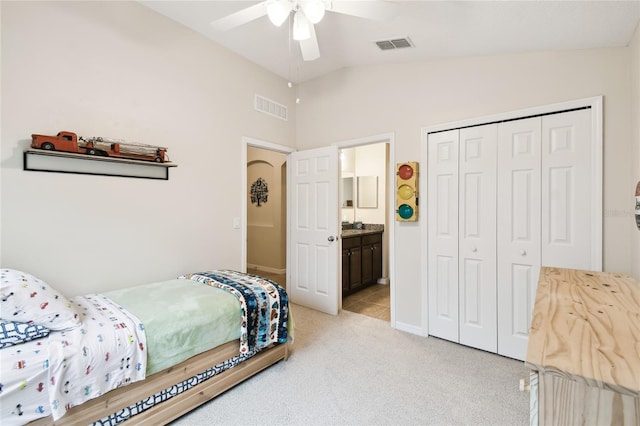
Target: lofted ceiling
436 29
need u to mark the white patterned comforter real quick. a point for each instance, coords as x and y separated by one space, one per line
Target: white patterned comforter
106 351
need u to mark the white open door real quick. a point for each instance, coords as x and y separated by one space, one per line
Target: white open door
312 246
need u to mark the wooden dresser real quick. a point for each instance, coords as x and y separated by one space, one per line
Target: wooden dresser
584 349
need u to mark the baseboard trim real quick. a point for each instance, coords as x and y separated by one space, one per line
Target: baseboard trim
266 269
409 328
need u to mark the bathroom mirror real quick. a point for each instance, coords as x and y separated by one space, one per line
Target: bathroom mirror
367 192
347 192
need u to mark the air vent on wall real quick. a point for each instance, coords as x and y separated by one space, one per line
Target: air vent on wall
397 43
270 107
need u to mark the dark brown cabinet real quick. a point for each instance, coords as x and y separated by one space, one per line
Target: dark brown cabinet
371 258
361 261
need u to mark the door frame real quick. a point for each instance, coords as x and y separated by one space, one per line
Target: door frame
246 142
388 138
595 104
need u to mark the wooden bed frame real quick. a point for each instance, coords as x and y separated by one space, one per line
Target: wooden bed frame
164 412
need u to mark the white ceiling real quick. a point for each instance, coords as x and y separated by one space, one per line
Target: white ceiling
438 29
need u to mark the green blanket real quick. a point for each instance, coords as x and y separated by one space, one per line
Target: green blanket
181 319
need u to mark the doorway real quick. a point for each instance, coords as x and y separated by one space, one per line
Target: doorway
388 139
265 210
366 179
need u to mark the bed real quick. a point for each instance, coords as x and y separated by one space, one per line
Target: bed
149 353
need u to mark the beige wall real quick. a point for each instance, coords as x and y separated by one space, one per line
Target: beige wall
118 69
635 151
266 224
403 98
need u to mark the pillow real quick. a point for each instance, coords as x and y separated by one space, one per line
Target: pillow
13 333
25 298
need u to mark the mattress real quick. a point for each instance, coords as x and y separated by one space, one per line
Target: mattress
181 318
125 334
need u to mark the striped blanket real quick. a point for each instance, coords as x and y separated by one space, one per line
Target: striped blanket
264 305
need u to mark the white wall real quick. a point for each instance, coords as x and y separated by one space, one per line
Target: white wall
366 160
371 160
416 95
635 151
118 69
347 171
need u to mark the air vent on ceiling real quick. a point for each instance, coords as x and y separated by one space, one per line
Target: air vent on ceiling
397 43
270 107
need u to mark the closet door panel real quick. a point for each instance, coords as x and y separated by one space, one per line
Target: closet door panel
442 222
518 233
566 165
525 278
477 239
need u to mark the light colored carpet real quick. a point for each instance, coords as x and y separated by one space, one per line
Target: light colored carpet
351 369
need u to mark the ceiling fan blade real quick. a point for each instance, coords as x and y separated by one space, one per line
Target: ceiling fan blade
240 17
309 47
376 10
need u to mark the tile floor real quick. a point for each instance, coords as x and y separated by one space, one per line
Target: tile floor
373 301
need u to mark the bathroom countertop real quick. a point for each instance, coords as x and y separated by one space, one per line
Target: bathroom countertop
357 232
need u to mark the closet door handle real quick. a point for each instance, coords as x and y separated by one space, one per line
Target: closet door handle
475 249
523 252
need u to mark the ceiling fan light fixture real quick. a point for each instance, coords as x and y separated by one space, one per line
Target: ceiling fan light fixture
301 24
313 10
278 11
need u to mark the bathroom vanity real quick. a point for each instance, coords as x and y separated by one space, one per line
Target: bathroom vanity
361 258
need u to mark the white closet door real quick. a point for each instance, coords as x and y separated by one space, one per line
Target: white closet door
442 220
519 217
566 168
477 237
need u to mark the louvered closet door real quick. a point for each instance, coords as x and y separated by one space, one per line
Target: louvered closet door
566 176
442 222
519 224
477 237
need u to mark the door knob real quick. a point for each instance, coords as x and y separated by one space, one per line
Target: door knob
331 238
523 252
475 249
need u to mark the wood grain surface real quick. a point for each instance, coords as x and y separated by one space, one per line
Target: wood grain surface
586 328
162 413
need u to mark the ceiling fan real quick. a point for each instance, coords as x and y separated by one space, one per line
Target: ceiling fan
306 13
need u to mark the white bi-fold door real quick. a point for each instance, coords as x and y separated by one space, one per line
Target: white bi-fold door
442 223
477 239
462 236
544 212
519 234
503 200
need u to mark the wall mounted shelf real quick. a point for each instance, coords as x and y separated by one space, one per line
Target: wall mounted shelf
67 162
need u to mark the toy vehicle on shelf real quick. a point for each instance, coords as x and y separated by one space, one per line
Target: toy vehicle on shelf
69 142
